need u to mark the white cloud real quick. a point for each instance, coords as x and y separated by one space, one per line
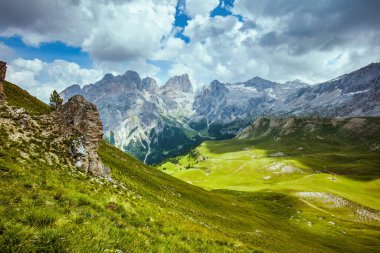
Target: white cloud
41 78
39 21
109 30
129 31
200 7
6 53
224 48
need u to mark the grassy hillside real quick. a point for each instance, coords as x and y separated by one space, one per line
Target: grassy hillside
21 98
46 205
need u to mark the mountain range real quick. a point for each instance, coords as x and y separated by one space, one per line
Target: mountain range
153 122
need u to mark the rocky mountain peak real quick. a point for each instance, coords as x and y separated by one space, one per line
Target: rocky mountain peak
81 123
149 84
108 77
216 83
260 83
3 71
218 87
257 79
180 83
132 77
70 91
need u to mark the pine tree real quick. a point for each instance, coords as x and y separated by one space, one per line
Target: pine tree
55 101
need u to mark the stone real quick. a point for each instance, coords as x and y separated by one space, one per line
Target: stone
81 123
3 71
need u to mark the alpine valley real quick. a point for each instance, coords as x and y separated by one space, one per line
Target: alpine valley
282 184
190 126
154 122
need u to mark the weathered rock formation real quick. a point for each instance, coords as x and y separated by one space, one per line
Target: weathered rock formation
81 124
3 71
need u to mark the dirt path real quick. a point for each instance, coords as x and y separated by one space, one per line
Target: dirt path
318 208
238 169
241 167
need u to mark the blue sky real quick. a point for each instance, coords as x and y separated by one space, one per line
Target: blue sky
48 51
57 43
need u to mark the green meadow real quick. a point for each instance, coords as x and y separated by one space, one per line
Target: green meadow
333 171
253 168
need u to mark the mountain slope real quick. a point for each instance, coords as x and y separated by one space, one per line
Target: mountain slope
49 205
21 98
353 94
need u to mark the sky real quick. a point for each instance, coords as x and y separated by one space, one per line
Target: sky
51 44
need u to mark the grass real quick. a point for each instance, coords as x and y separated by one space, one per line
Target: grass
49 206
21 98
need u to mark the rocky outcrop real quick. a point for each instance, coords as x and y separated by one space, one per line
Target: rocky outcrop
81 124
3 71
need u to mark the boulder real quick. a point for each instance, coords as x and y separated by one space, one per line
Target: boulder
81 123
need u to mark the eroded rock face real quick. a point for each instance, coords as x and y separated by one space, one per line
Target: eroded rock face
81 123
3 71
